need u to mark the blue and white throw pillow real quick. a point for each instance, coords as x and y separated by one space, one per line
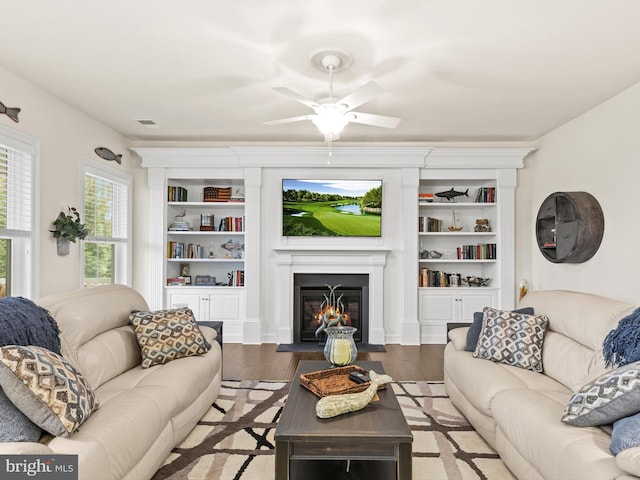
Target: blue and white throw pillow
610 397
512 338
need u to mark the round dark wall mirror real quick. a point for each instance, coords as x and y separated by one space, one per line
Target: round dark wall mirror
569 227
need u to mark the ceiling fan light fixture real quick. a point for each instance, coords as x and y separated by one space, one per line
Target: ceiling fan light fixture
330 119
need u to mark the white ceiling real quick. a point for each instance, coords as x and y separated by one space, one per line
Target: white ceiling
453 70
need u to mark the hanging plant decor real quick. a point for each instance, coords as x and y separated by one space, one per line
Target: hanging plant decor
68 228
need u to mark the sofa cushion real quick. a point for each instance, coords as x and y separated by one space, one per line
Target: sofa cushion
14 425
512 338
46 388
527 420
626 434
84 314
629 460
165 335
610 397
476 326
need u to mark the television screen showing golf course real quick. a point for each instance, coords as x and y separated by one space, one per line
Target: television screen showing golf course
343 208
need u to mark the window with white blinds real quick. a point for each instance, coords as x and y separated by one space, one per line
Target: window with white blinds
16 213
106 216
15 192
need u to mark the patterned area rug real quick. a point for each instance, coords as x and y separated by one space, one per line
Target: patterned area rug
234 440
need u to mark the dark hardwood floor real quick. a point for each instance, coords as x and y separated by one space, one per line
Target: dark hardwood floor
262 362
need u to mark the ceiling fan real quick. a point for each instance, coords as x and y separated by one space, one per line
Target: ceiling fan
333 114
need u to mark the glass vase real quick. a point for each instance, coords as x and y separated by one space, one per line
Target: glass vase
340 348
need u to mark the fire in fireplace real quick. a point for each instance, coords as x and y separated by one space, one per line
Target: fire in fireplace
339 298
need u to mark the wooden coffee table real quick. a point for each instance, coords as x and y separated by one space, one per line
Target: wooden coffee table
374 442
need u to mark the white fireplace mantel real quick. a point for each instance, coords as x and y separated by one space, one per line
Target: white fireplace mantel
291 260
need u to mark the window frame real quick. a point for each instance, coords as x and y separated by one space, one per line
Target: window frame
25 251
89 167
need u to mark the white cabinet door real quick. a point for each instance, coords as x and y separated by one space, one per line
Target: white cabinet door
224 306
191 300
474 302
439 306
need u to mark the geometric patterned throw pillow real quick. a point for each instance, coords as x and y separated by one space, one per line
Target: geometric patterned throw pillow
166 335
512 338
610 397
46 388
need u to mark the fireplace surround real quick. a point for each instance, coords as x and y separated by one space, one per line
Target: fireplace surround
369 262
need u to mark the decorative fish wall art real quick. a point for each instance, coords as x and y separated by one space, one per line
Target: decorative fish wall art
11 112
108 155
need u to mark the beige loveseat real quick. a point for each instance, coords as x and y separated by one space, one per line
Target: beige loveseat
518 412
143 413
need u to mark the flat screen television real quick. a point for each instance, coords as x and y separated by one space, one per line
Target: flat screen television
332 208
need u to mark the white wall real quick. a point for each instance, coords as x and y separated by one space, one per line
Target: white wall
66 135
599 153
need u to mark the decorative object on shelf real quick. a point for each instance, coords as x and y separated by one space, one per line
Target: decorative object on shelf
180 225
523 289
212 252
452 194
569 227
108 155
207 222
68 228
334 405
217 194
455 227
340 348
11 112
476 281
185 269
237 196
207 280
234 247
482 225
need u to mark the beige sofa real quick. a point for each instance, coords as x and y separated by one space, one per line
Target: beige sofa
518 412
143 413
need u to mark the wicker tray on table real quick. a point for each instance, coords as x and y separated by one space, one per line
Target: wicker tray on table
334 381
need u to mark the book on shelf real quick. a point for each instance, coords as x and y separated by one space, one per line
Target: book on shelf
236 278
438 278
231 224
176 194
429 224
184 250
481 251
425 197
486 195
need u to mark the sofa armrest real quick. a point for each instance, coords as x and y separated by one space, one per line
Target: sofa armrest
459 337
24 448
629 460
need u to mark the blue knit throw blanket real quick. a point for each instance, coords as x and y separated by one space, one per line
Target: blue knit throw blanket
621 346
22 322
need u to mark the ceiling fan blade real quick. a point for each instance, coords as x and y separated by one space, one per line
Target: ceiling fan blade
296 96
290 119
375 120
361 95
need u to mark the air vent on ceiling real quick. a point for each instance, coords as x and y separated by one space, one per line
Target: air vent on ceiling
147 123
